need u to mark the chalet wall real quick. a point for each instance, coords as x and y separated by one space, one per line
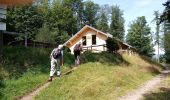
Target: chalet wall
100 40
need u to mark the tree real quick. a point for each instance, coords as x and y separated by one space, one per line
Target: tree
45 35
165 19
166 14
77 8
157 21
90 13
25 20
102 23
117 23
167 41
11 2
139 36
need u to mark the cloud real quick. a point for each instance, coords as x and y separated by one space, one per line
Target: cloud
143 3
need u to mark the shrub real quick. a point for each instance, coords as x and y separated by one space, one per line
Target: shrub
111 45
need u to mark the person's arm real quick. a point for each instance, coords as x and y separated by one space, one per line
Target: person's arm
81 49
51 54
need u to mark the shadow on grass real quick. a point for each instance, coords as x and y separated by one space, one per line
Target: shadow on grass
152 69
104 57
163 94
149 60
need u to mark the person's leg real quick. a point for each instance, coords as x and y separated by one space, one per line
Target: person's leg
78 60
52 70
58 66
62 58
75 55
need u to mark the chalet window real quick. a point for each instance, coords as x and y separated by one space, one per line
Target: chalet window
93 39
84 40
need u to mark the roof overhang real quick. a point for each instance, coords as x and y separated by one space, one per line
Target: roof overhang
85 28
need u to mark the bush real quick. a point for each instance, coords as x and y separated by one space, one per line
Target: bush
112 45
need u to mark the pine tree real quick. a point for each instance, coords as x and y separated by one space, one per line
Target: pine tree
90 13
102 23
117 23
167 41
157 38
139 36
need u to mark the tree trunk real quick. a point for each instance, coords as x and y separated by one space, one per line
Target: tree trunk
157 33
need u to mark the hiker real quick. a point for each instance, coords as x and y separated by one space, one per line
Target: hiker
77 50
56 57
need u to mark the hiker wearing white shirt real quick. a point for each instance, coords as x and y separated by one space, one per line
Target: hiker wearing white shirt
56 57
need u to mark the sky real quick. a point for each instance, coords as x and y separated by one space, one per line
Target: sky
135 8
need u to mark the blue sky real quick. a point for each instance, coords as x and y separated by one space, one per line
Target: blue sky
135 8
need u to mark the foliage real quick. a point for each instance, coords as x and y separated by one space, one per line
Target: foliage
102 23
166 14
167 41
77 9
45 35
90 13
165 19
139 36
24 20
157 32
64 18
112 45
117 23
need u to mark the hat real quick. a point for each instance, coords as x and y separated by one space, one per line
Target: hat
60 46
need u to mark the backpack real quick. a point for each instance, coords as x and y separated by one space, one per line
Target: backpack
77 47
57 53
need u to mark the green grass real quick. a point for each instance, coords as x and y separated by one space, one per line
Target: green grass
161 93
102 76
23 69
103 79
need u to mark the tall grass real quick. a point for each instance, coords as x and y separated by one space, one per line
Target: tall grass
105 77
23 69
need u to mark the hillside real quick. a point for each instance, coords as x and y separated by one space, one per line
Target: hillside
102 76
23 69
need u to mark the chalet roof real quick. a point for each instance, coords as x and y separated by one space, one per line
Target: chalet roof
85 27
106 34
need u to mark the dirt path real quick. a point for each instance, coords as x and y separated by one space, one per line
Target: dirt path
31 95
138 93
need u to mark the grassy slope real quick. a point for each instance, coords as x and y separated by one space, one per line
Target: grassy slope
104 77
23 69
